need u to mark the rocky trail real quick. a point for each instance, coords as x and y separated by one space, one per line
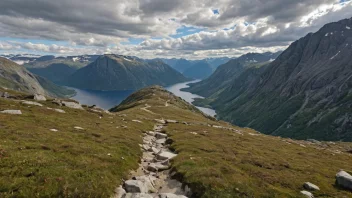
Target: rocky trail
153 178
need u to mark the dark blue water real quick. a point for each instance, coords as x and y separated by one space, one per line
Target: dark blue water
103 99
109 99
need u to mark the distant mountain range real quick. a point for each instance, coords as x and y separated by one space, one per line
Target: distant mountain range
196 69
225 73
305 93
115 72
16 77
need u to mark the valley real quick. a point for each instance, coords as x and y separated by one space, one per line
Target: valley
175 99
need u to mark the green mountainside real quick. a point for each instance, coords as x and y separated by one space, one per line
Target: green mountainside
114 72
305 93
16 77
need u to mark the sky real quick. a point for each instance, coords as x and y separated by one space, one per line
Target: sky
192 29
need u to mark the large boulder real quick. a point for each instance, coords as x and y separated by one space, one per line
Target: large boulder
344 180
135 186
13 112
39 97
310 186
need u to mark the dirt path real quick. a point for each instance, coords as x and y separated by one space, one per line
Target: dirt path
146 109
153 178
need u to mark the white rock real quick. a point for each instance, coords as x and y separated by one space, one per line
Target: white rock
148 182
310 186
151 133
170 195
13 112
119 192
54 130
160 121
160 135
138 195
145 147
135 186
307 194
60 110
31 103
155 167
39 97
78 128
137 121
72 105
161 141
171 121
344 180
165 155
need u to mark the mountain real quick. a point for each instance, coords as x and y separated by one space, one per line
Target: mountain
57 69
16 77
216 62
115 72
304 93
200 70
225 73
182 65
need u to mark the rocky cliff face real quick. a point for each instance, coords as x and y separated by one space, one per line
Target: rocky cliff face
114 72
16 77
304 93
225 73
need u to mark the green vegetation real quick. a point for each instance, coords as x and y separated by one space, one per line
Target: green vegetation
215 162
37 162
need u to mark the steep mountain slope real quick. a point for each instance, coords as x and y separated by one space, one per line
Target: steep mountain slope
55 72
16 77
200 70
216 62
225 73
114 72
304 93
182 65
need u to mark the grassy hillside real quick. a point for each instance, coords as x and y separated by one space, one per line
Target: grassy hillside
214 161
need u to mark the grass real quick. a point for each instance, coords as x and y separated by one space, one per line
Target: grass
35 162
222 163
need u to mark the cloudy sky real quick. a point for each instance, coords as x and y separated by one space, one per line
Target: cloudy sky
161 28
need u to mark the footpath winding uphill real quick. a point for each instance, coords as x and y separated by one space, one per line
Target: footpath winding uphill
153 177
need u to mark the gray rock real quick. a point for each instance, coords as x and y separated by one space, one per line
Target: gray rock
13 112
4 94
135 186
161 121
307 194
165 155
57 102
148 182
170 195
155 167
145 147
119 192
60 110
161 141
39 97
344 180
72 105
310 186
160 135
171 121
31 103
138 195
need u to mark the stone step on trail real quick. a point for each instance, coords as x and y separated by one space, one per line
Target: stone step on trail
152 179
